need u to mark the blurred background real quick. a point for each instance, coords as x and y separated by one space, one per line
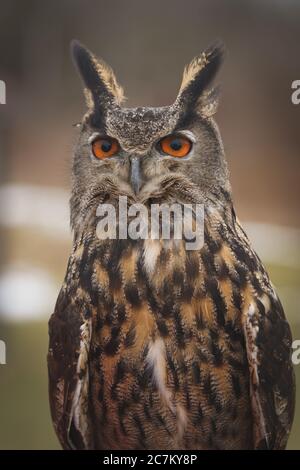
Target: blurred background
147 44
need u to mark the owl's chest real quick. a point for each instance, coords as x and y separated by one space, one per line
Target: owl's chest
167 361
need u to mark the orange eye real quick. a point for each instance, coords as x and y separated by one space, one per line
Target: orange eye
176 145
105 147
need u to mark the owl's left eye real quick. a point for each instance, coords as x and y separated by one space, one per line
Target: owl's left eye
175 145
105 147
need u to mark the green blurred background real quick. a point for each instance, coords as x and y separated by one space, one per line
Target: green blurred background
147 44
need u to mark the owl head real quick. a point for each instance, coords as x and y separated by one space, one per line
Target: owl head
164 154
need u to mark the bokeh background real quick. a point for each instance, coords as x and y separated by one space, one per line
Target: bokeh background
147 43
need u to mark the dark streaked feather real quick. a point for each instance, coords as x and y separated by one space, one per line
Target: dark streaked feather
66 342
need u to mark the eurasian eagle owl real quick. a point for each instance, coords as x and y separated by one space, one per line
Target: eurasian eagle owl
153 346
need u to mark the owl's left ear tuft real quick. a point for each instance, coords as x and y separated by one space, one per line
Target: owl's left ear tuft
198 75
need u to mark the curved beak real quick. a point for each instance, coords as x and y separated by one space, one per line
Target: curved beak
135 174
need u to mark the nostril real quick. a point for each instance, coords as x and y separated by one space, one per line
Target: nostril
106 197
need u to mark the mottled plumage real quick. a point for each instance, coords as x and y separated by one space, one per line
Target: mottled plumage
153 346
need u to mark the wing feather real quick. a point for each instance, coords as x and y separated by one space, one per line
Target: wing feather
272 381
69 340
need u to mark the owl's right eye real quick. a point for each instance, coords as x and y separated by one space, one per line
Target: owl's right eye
105 147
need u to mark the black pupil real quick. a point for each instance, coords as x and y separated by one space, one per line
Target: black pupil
106 146
176 144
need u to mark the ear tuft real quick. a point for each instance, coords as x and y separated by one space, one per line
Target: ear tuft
99 79
200 72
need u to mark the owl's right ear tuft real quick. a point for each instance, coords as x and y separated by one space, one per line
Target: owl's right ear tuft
101 87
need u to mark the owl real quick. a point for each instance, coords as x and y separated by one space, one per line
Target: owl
153 346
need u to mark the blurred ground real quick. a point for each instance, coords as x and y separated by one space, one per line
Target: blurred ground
24 411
